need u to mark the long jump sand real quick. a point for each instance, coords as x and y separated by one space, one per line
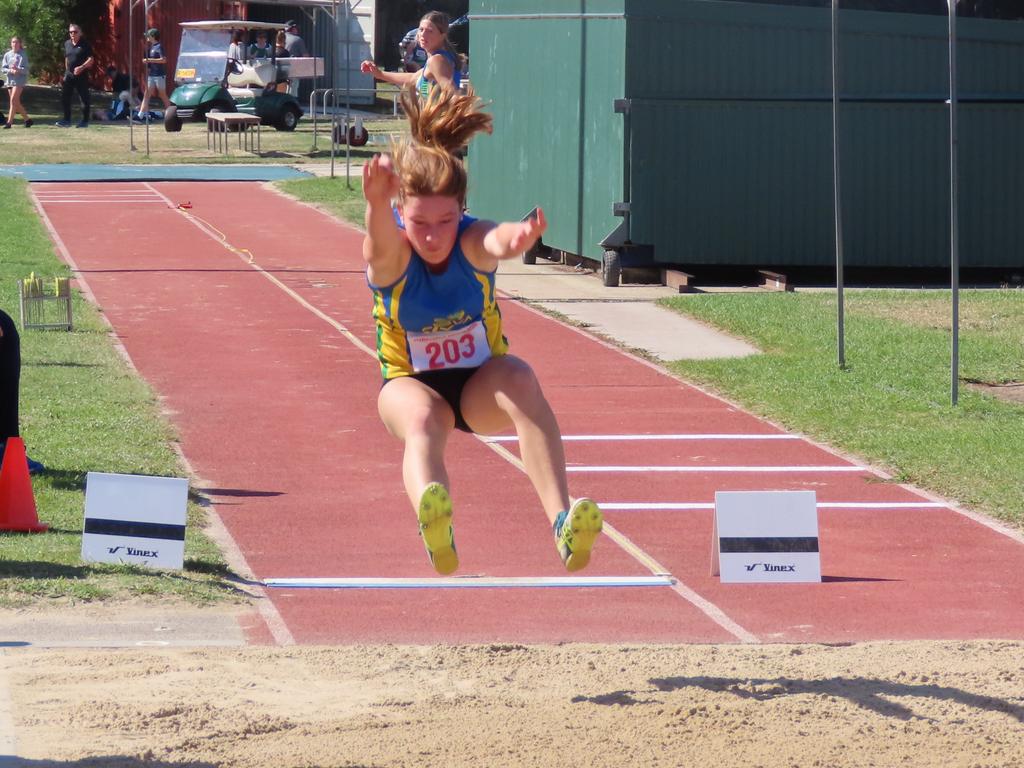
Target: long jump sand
871 704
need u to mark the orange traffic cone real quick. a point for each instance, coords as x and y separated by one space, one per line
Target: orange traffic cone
17 504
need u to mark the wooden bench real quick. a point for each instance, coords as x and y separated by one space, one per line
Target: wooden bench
219 123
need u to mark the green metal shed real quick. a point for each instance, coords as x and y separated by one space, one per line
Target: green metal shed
699 132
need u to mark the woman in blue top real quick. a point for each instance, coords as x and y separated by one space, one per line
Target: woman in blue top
156 73
443 67
443 355
15 69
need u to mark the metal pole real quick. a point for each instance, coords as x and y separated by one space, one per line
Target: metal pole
131 59
837 197
334 68
954 229
348 98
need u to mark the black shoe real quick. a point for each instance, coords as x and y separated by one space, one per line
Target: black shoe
6 126
28 123
83 124
63 123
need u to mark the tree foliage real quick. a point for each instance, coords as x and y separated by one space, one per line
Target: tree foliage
42 26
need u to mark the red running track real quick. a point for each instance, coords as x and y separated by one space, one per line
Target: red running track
249 315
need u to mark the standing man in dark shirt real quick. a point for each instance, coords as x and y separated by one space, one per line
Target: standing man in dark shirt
296 47
77 63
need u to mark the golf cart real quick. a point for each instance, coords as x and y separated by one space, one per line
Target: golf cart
208 79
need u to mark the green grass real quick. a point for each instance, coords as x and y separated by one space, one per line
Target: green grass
891 405
82 410
337 196
112 142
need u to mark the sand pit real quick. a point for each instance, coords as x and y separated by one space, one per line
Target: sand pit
873 704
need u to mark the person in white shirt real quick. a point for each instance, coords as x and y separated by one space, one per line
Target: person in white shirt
15 69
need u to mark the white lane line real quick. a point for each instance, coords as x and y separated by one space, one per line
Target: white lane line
615 438
92 195
699 468
470 582
712 611
217 529
640 506
111 200
709 609
248 258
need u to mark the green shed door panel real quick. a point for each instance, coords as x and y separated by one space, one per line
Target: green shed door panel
990 144
731 182
550 84
751 183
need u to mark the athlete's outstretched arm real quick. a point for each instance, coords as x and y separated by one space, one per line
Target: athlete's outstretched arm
395 78
487 243
384 246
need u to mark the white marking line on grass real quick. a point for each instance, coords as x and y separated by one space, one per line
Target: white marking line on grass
595 438
699 468
470 582
709 609
640 506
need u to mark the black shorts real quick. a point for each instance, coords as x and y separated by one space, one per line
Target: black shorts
448 384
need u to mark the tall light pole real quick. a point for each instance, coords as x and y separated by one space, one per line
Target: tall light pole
954 229
837 196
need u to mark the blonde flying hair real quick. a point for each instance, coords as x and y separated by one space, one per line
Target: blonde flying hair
440 127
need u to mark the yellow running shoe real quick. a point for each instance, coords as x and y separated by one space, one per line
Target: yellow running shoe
575 533
435 516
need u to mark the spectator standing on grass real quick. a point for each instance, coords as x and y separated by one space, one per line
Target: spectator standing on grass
15 69
296 47
443 66
78 61
156 73
10 379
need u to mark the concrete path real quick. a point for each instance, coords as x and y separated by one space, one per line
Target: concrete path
627 314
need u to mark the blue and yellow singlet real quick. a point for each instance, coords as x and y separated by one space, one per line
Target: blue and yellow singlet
431 322
423 85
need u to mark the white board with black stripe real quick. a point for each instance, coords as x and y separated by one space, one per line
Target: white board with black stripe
766 536
136 519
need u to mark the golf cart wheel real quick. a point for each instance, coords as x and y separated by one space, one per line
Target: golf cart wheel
288 120
172 123
611 270
358 136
